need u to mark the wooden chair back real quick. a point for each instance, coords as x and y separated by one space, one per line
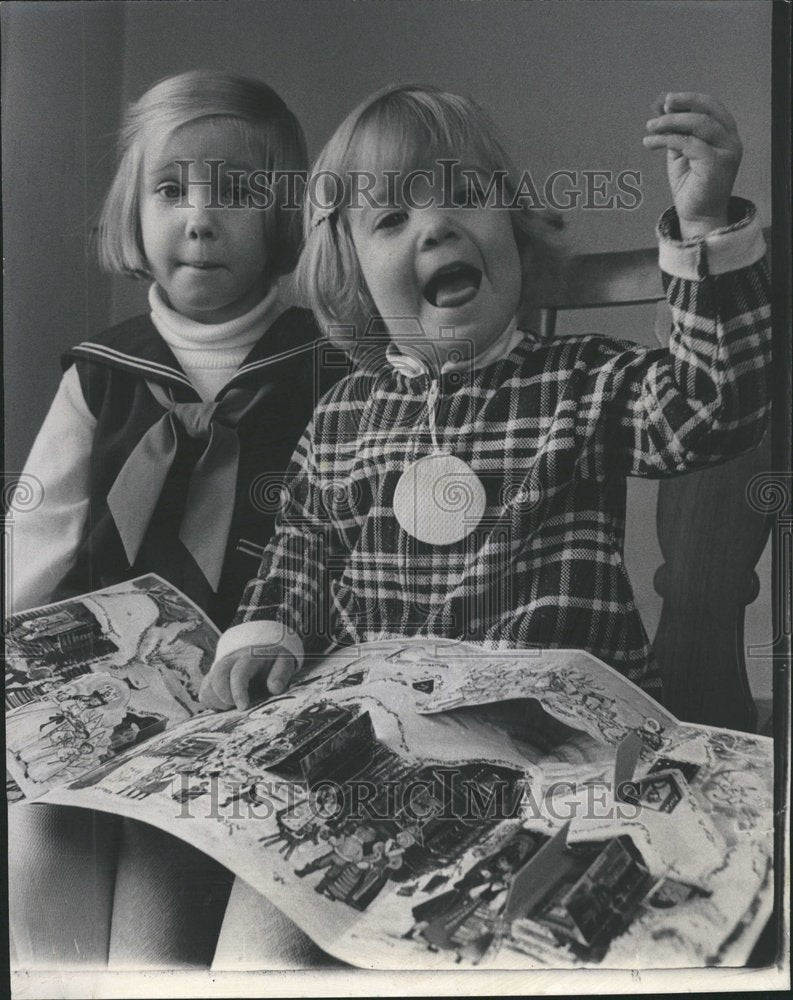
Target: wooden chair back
709 536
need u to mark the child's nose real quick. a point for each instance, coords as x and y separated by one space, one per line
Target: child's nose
199 223
438 226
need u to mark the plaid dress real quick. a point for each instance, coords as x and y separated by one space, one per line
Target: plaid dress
551 431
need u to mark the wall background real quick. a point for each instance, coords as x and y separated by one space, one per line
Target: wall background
570 84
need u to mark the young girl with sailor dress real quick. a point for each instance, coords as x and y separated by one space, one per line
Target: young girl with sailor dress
163 425
155 457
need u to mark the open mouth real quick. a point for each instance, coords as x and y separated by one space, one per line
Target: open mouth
453 285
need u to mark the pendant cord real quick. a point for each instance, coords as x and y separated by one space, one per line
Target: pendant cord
438 499
432 399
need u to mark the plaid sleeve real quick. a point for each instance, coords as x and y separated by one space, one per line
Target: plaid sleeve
290 583
705 399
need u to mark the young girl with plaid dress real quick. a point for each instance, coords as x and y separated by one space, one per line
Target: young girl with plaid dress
467 479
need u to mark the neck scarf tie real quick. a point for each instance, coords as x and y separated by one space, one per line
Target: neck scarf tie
212 486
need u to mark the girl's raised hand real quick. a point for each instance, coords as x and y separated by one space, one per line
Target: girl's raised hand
703 152
240 678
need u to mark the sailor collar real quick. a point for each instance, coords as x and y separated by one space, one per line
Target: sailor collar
137 347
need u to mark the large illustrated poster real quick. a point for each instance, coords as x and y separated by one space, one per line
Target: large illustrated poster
90 677
425 804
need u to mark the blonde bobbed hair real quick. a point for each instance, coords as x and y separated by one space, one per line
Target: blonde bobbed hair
412 126
270 128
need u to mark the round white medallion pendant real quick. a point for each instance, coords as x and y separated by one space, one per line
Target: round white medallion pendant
439 499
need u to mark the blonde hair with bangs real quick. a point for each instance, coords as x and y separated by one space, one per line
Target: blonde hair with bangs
422 124
266 122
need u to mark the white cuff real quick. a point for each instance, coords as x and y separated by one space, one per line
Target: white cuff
729 249
259 633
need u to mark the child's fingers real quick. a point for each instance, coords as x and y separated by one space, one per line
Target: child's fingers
688 145
658 105
208 698
218 677
281 673
701 126
701 103
670 103
242 673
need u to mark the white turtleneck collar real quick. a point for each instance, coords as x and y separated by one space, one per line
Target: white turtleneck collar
211 353
190 334
410 365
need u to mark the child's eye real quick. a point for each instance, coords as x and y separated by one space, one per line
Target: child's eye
469 194
234 192
170 191
461 196
392 220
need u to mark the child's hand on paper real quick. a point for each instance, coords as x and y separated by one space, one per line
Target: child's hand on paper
703 152
247 675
